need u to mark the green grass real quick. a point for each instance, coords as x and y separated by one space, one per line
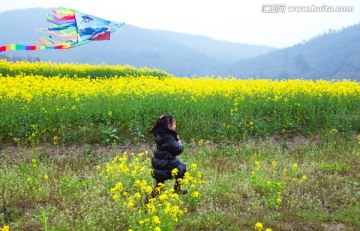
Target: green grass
61 189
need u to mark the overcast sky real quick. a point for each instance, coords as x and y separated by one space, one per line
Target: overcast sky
232 20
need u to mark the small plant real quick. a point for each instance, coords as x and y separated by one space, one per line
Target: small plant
108 135
335 167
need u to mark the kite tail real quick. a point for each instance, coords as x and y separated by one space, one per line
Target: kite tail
18 47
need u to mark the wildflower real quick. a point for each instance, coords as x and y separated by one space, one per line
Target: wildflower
285 170
193 166
157 229
268 229
258 226
46 177
257 164
137 195
175 196
268 182
294 166
5 228
273 163
151 208
156 220
163 197
174 172
278 200
130 203
148 189
252 173
195 194
303 177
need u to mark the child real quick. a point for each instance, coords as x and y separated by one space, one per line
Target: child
168 146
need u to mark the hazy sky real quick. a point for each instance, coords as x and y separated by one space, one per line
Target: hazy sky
232 20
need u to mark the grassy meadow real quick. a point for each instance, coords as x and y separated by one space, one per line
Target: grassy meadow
261 154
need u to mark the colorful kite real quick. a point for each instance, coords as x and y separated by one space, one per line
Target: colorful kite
71 30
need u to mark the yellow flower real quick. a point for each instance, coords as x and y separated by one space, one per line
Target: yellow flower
303 177
163 197
46 177
5 228
268 182
278 200
258 226
156 220
195 194
193 166
273 163
252 173
137 195
175 196
294 166
157 229
130 203
174 172
268 229
257 164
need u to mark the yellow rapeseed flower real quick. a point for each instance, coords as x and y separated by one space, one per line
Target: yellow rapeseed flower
156 220
258 226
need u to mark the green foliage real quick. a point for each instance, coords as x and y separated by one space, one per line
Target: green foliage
335 167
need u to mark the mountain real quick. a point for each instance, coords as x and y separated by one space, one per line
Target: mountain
177 53
333 55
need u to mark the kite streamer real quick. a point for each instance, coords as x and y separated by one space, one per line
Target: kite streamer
71 29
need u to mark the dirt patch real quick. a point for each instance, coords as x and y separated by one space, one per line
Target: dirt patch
293 142
334 227
14 152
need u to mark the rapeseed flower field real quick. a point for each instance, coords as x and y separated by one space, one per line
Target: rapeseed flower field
113 109
261 154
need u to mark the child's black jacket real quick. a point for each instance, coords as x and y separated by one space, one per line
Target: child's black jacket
165 152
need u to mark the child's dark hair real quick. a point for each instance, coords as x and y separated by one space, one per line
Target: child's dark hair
162 122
